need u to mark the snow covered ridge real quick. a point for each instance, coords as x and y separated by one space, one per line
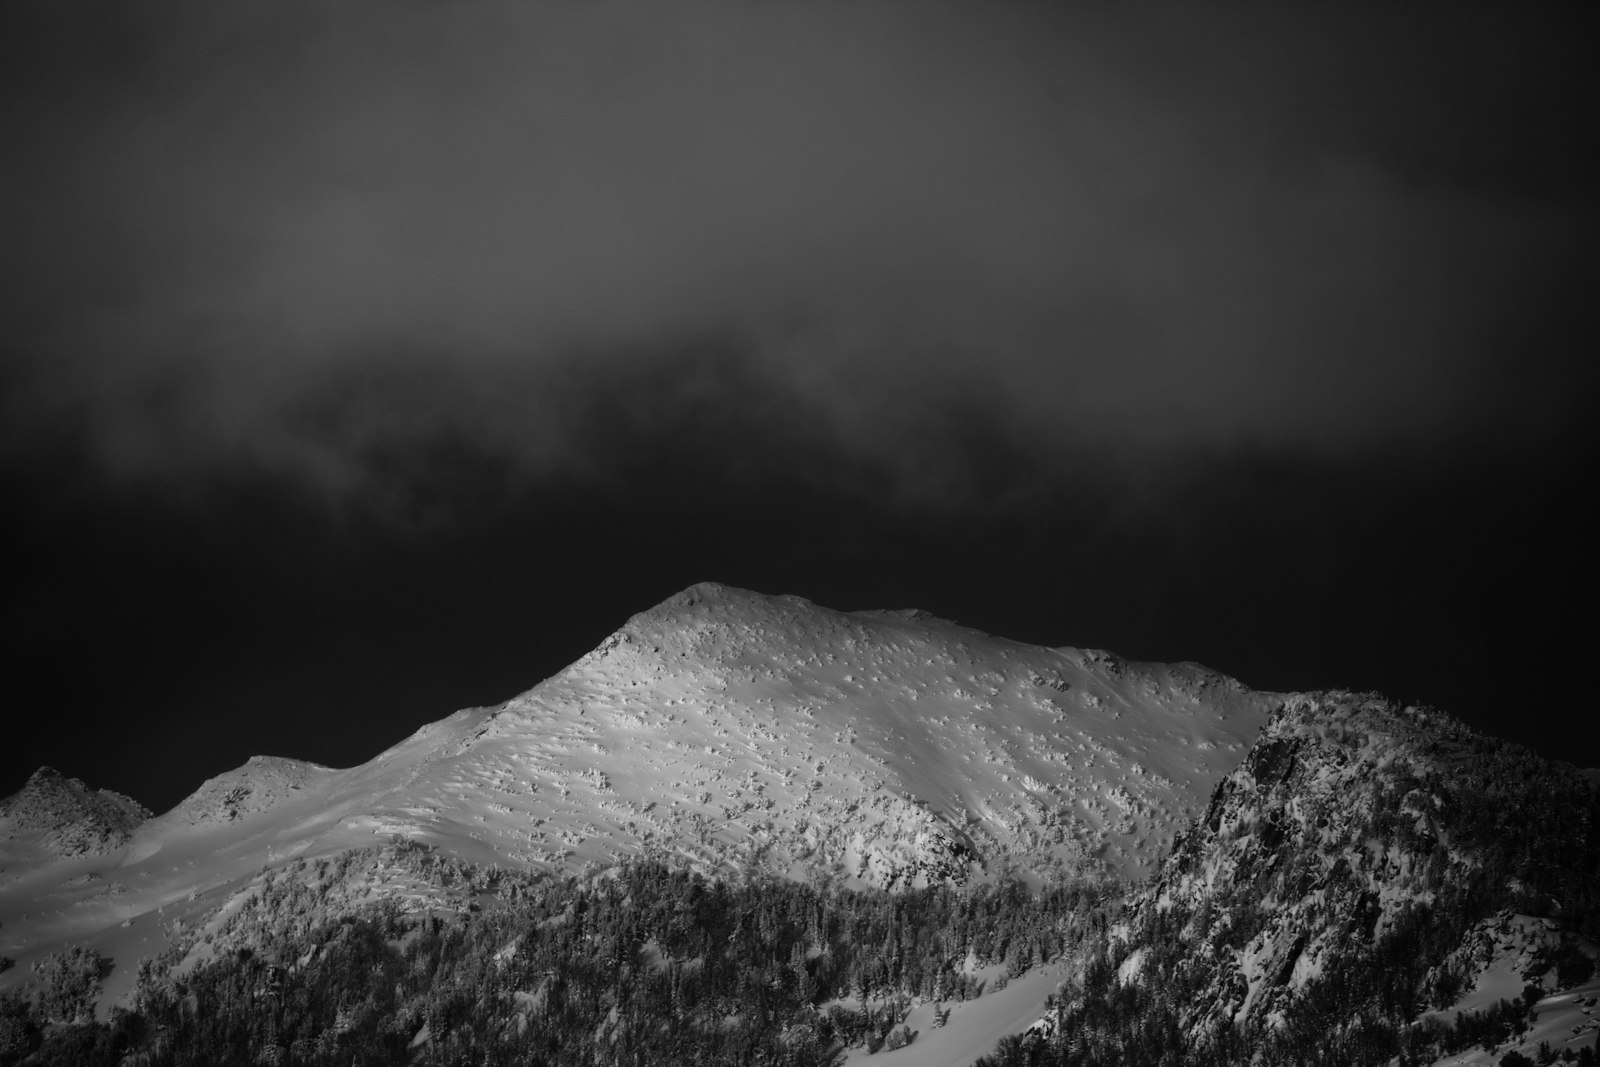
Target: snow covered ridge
884 748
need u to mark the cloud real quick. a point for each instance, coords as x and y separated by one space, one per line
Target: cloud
298 237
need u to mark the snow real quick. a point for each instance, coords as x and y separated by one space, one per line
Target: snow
975 1026
1506 945
1567 1020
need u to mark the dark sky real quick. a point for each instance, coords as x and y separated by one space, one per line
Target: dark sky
366 360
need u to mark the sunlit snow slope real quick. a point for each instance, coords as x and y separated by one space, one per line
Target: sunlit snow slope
727 729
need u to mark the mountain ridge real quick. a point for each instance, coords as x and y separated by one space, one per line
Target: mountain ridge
725 730
1270 857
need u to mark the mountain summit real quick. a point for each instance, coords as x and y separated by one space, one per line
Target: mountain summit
734 729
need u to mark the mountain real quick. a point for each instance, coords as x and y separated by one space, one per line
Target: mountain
727 731
1369 870
751 828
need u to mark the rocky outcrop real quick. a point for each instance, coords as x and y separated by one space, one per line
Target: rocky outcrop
1352 854
259 785
62 817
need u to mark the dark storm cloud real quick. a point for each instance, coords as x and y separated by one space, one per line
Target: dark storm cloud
301 235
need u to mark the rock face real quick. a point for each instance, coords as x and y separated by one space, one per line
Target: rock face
1357 852
60 817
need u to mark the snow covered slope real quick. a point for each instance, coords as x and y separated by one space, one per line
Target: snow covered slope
725 729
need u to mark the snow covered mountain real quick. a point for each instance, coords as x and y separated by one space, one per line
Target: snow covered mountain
1367 872
725 730
1368 883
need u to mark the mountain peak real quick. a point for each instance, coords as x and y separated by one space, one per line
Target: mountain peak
709 621
43 775
61 816
715 598
715 591
894 744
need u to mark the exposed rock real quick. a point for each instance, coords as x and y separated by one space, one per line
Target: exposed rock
1362 834
63 817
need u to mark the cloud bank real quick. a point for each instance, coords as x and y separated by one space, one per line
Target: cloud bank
296 237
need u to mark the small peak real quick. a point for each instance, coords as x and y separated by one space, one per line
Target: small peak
47 780
71 818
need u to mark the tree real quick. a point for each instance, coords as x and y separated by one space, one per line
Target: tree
69 983
19 1031
1573 967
